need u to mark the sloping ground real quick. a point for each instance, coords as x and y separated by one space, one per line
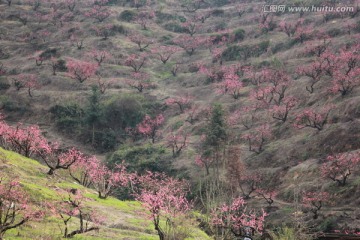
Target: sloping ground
124 219
296 153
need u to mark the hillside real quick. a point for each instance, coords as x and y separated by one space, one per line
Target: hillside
238 100
124 219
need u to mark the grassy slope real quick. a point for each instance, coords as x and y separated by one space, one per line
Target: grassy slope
125 219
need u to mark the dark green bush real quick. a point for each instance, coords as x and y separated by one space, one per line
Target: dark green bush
328 225
141 158
218 13
220 26
239 34
127 16
218 38
182 19
4 85
334 32
105 140
68 118
61 65
49 53
174 27
235 52
164 17
124 111
119 29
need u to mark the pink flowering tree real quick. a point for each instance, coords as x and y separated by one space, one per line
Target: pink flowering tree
164 53
213 74
78 37
312 118
38 58
104 30
55 65
175 67
347 72
267 194
98 12
136 61
80 170
257 138
141 41
193 6
149 126
319 48
72 206
177 141
249 183
315 72
26 80
56 159
204 161
24 140
192 114
183 102
80 70
202 16
281 112
190 44
266 22
140 81
314 201
303 33
165 199
99 56
237 220
217 53
279 81
3 69
15 210
191 27
70 4
263 95
247 116
105 180
103 84
144 18
290 28
231 85
339 167
268 186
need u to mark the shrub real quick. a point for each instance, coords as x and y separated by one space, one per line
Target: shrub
357 26
4 85
174 27
61 65
104 140
49 53
68 117
333 32
119 29
141 158
127 16
235 52
218 13
124 111
216 39
220 26
163 17
239 34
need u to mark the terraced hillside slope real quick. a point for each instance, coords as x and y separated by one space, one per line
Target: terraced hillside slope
240 98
